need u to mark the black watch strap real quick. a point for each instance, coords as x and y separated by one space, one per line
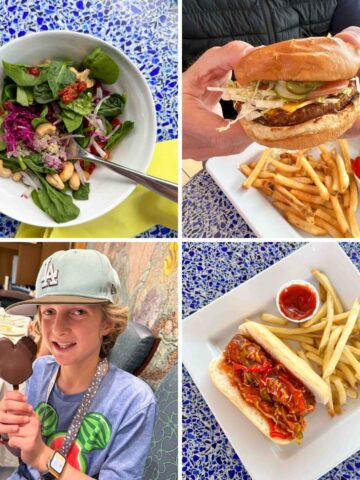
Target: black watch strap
48 476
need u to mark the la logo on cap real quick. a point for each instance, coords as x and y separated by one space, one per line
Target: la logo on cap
50 277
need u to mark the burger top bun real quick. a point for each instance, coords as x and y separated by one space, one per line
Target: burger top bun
305 59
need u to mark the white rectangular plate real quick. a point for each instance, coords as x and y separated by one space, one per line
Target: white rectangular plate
327 441
255 208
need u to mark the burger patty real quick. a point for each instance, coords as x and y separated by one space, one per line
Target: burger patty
282 118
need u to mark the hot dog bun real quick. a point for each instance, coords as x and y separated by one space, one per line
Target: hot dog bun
278 351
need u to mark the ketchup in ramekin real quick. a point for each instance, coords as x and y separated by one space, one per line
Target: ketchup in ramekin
297 301
356 169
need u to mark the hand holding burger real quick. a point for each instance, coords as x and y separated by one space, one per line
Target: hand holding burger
297 93
202 115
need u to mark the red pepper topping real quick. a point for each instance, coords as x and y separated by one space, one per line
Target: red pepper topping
276 433
256 368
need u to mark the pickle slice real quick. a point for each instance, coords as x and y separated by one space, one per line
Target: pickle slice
301 88
281 90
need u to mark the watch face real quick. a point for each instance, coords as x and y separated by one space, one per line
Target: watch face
57 462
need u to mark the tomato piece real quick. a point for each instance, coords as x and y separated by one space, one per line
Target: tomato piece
33 71
72 91
87 166
115 122
101 145
329 88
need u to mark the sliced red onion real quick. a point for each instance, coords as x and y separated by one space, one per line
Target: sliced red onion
113 131
99 104
27 193
101 125
99 93
80 171
29 179
99 149
65 137
91 120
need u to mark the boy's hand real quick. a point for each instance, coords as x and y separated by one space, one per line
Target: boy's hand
14 412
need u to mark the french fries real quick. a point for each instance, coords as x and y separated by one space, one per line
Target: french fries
316 195
329 342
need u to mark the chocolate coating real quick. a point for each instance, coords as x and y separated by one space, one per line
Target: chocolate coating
16 360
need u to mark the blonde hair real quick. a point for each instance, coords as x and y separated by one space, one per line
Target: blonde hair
115 314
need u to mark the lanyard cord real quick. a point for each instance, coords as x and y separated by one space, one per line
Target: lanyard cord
101 369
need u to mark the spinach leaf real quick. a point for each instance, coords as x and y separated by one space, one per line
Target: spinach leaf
2 143
9 90
101 66
59 76
24 96
125 128
43 93
71 119
36 164
81 105
108 126
82 193
56 204
42 119
113 106
82 130
10 162
20 76
38 121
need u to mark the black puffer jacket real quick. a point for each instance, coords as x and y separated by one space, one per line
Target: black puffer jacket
209 23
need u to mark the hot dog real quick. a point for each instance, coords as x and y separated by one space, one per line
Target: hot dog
269 384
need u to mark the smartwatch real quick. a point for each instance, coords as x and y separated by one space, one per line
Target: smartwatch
55 466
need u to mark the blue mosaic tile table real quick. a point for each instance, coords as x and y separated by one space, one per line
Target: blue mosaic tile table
209 271
145 30
207 213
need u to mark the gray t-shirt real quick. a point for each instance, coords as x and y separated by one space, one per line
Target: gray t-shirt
115 435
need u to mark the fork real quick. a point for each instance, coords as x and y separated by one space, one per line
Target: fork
158 185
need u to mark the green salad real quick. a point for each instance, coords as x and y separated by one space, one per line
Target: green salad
44 109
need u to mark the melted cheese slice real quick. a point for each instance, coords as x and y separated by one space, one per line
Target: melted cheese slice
291 107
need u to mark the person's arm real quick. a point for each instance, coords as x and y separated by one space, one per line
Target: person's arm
129 448
201 109
22 425
346 14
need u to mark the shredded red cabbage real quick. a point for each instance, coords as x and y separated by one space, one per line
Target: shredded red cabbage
17 127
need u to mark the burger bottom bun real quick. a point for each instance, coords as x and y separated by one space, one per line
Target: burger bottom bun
222 381
304 135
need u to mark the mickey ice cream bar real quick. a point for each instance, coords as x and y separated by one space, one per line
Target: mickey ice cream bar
16 359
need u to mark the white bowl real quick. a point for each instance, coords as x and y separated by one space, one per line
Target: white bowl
107 189
298 282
